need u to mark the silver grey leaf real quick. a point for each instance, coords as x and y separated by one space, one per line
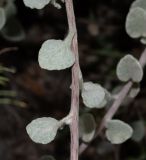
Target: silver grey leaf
38 4
93 95
43 130
118 132
56 55
129 68
136 22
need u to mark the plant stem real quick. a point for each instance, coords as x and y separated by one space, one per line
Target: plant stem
113 109
75 83
115 106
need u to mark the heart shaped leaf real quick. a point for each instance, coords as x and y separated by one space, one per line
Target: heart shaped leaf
43 130
129 68
87 127
93 95
136 23
2 18
56 54
118 132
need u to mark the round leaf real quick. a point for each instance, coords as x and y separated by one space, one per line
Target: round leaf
2 18
56 55
129 68
118 132
38 4
43 130
93 95
136 23
87 127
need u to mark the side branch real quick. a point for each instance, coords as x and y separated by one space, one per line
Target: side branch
115 106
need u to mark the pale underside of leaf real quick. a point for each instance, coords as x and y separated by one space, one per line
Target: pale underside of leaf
43 130
93 95
129 68
118 132
87 126
56 55
136 23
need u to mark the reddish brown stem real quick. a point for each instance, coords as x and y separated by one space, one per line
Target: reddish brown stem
115 106
75 83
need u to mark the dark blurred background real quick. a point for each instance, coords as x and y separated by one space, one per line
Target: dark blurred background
102 42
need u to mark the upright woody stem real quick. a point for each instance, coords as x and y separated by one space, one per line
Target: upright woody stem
75 83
